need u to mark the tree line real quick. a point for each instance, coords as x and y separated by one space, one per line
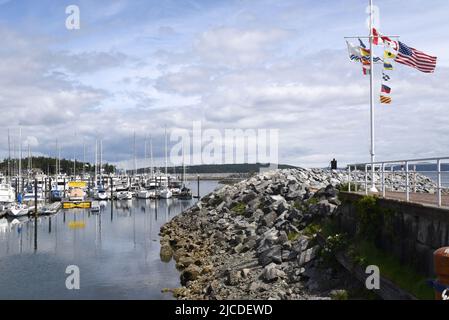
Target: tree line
48 166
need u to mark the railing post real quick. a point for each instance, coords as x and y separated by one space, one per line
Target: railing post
383 179
414 178
439 182
349 178
407 182
366 179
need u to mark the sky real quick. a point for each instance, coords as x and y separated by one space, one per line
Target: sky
140 66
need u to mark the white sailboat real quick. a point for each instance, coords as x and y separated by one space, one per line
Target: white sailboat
165 193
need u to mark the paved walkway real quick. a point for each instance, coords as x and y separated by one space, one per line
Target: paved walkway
423 198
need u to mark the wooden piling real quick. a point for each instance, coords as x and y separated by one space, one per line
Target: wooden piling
35 197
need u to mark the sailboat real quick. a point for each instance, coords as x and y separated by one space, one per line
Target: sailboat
18 209
165 193
185 193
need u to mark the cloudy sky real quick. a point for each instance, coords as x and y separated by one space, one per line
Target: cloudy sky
251 64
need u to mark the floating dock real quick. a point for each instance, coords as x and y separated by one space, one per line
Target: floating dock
50 208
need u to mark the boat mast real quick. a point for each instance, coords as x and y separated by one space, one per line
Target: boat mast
56 159
84 159
29 161
9 157
96 160
183 168
166 164
134 153
101 159
151 157
145 156
74 161
20 159
59 160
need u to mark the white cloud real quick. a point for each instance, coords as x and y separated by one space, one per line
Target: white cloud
233 46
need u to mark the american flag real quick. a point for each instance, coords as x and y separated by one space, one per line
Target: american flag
416 59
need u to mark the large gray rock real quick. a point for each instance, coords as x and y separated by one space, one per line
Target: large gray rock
268 219
271 272
272 254
307 256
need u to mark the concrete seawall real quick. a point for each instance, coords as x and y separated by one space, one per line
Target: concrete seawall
409 231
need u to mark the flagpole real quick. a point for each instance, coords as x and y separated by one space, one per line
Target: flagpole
373 157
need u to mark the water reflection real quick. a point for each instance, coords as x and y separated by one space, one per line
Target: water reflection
117 250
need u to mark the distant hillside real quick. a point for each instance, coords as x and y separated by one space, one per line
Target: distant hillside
221 168
48 165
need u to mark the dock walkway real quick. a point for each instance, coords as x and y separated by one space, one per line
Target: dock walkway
415 197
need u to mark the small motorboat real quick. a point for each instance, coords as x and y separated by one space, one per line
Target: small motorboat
124 195
56 195
18 210
165 193
101 195
185 194
143 194
95 206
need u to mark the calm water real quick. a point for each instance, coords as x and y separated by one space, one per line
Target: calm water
116 250
434 177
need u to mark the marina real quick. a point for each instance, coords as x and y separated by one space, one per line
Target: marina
116 247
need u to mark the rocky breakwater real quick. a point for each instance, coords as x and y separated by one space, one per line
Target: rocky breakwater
255 240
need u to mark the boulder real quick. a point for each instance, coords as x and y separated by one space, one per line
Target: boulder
268 219
191 273
272 254
271 272
166 253
307 256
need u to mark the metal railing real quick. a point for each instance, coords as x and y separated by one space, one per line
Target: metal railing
407 170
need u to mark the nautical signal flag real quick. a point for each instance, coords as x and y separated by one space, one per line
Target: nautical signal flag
388 66
385 89
365 52
389 55
376 37
354 52
385 77
385 100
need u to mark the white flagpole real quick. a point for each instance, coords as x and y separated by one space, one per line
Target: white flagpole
373 182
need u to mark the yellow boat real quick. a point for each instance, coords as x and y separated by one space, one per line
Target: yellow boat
76 205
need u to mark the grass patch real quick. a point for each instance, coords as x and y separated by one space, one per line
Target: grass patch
312 201
365 253
239 208
339 295
311 229
298 205
345 187
292 236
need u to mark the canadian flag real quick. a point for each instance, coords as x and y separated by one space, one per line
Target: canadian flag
391 43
